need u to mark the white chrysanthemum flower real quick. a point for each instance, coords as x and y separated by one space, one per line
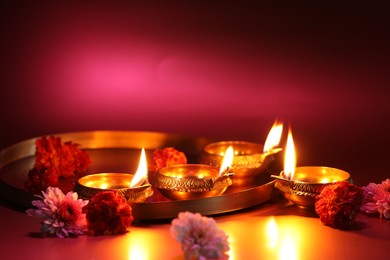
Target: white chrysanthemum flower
62 214
199 236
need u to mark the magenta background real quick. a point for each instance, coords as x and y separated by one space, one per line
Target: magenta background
204 69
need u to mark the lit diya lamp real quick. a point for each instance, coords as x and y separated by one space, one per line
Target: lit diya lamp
194 181
301 185
250 158
134 187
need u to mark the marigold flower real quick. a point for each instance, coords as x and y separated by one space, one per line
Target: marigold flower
166 157
199 236
53 160
62 214
377 199
66 158
39 180
108 214
338 204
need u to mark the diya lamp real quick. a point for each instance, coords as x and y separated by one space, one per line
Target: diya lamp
194 181
301 185
134 187
250 159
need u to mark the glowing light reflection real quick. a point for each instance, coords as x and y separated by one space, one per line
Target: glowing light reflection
138 251
231 251
272 233
282 240
288 248
103 186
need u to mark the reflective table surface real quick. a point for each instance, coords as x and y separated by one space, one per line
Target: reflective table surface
275 230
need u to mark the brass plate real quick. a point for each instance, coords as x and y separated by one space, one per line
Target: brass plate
118 151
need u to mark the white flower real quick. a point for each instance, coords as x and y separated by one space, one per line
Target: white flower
62 214
199 236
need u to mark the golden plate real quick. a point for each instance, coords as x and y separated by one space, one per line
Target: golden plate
118 151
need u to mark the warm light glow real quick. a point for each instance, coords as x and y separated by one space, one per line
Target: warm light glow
272 233
142 172
138 253
231 241
288 248
325 180
289 157
273 137
103 186
227 160
139 248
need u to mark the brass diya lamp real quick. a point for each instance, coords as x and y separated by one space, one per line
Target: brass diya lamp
307 183
134 187
250 159
194 181
89 185
191 181
301 185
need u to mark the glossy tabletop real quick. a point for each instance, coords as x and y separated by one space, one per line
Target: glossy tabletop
275 230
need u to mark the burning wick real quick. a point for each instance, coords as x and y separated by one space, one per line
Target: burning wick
289 160
227 161
273 138
140 176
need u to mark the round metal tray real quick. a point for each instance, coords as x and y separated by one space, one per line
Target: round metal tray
118 151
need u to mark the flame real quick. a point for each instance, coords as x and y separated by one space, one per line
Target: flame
289 157
227 160
141 175
273 137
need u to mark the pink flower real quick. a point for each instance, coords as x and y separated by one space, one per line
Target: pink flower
377 199
338 204
199 236
62 214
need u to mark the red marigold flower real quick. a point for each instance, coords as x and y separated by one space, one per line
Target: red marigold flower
53 160
108 214
338 204
166 157
40 180
67 158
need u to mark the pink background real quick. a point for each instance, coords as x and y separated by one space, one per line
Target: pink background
205 69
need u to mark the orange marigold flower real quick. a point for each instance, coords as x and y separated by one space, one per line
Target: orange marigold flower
166 157
54 159
67 158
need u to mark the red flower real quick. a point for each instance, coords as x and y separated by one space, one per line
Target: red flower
166 157
338 204
53 160
39 180
108 214
67 158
